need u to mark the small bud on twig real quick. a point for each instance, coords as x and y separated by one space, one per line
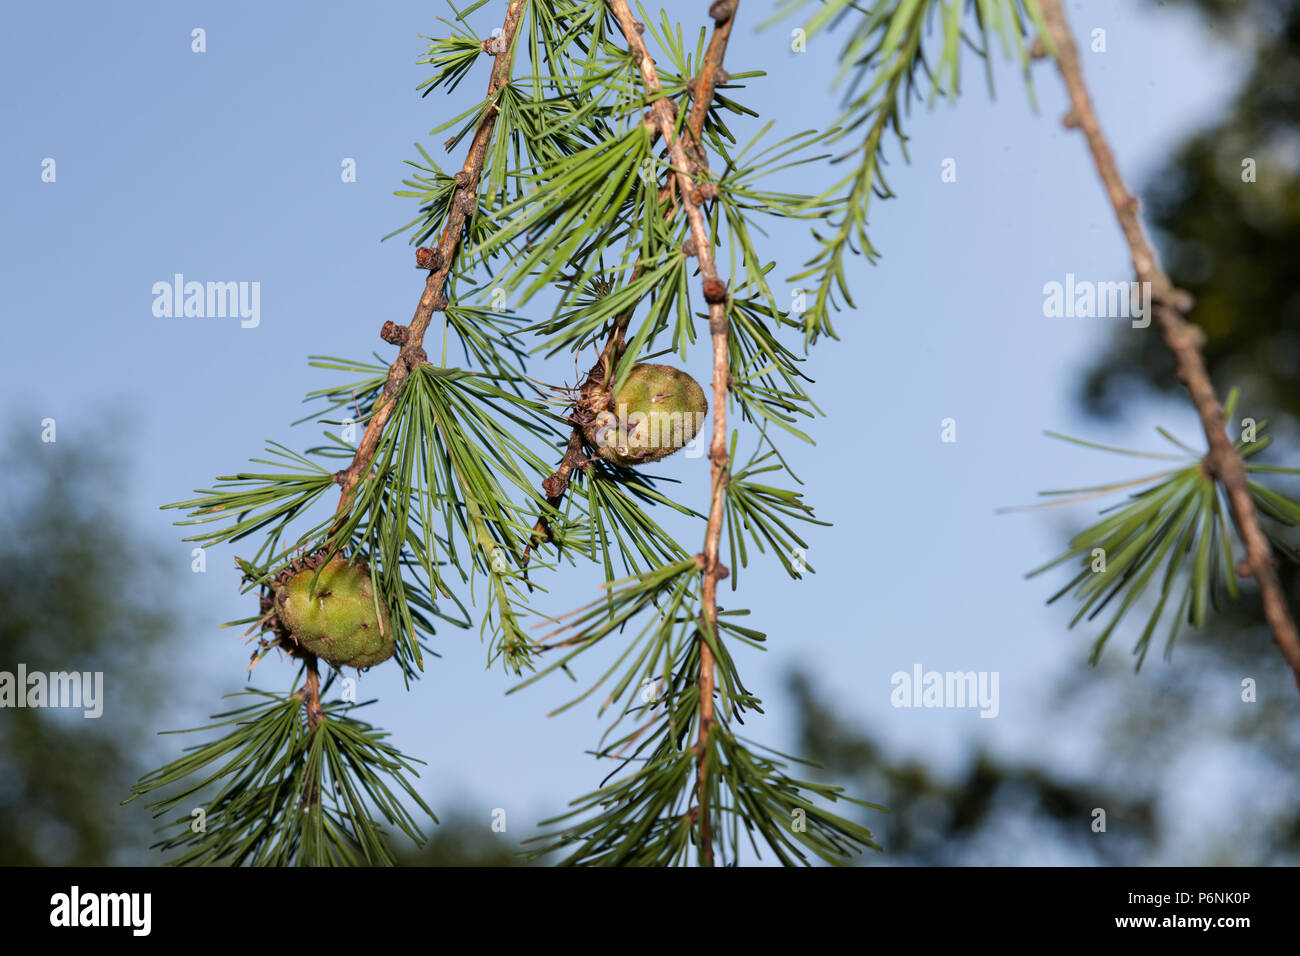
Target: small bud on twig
426 258
715 290
394 334
1180 300
721 11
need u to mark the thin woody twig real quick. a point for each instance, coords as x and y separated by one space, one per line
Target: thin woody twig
310 693
439 262
715 294
1170 306
555 486
711 73
411 338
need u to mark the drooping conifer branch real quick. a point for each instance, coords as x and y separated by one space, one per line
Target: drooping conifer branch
702 87
1170 306
438 261
715 294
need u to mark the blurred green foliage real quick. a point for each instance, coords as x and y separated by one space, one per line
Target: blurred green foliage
79 590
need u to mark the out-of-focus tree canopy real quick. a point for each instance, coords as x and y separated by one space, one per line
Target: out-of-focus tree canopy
79 591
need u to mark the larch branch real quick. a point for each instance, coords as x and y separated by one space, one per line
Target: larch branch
1170 306
439 262
702 87
715 294
411 338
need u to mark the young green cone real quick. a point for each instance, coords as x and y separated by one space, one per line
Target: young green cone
337 620
658 410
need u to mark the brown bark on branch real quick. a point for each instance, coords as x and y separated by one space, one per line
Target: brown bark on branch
439 261
411 338
663 115
310 693
702 88
1184 340
711 72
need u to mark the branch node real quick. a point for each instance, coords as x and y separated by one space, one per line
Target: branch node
1183 337
721 11
703 192
720 77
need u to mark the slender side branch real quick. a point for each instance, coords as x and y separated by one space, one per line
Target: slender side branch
711 72
555 486
715 294
439 262
411 338
1184 340
310 693
702 87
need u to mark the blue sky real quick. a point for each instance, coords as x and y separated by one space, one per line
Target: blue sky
225 165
